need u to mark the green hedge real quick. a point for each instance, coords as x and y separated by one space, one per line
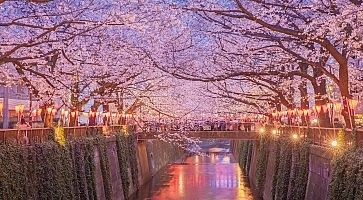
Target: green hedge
47 171
291 169
263 151
123 160
284 170
105 167
347 176
132 145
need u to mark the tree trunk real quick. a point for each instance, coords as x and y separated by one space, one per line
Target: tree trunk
345 93
320 92
304 101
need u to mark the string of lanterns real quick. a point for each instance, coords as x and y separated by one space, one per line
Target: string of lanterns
325 108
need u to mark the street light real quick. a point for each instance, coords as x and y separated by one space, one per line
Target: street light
334 143
262 130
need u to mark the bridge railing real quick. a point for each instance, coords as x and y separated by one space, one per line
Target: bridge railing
39 135
319 136
323 136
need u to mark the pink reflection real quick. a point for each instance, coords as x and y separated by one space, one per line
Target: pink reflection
213 177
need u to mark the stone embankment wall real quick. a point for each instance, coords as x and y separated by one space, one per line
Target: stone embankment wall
111 167
295 170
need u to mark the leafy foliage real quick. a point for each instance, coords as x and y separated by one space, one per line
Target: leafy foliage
47 171
347 177
262 159
123 160
105 167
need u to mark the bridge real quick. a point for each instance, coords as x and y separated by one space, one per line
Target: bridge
318 136
227 135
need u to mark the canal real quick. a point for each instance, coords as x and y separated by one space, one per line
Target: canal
215 176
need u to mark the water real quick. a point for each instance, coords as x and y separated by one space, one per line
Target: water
216 176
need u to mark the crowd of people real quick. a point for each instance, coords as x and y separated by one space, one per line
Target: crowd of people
221 125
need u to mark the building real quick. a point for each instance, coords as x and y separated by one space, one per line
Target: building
9 98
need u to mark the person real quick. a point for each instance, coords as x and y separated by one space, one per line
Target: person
23 125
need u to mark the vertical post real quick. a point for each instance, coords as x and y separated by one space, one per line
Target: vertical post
6 108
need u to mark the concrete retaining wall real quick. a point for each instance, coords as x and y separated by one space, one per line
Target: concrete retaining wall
152 155
319 171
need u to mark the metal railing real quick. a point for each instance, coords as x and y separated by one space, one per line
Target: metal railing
319 136
323 136
38 135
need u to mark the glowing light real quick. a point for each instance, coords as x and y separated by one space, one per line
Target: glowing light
337 106
295 136
314 121
262 130
353 103
274 132
334 143
318 108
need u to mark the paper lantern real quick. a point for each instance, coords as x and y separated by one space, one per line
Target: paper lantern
337 106
353 103
330 106
296 111
318 109
34 113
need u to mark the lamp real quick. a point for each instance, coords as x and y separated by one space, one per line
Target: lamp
317 109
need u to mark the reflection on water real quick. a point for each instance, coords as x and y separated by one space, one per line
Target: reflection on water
216 176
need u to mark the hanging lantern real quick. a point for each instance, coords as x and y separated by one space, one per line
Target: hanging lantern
337 106
272 114
49 110
353 103
330 106
39 111
318 109
17 109
21 108
296 111
34 113
306 112
301 112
